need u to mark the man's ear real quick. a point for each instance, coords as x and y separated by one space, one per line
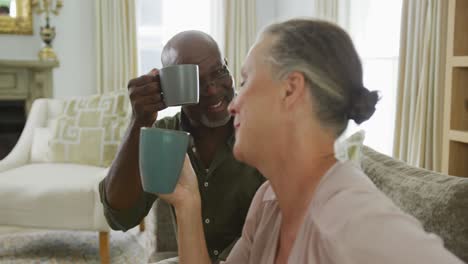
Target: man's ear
295 88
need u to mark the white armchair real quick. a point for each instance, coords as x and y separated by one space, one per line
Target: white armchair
50 195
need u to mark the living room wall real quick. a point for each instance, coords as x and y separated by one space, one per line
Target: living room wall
266 13
74 45
287 9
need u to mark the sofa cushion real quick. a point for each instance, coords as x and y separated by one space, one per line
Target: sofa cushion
438 201
52 196
90 129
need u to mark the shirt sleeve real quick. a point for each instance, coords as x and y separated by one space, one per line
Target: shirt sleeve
241 251
128 218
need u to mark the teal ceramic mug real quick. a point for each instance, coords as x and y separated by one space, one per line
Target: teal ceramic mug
161 158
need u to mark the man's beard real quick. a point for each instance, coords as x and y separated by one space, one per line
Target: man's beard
204 120
214 124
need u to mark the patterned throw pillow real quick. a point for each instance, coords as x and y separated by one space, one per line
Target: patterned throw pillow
350 148
89 130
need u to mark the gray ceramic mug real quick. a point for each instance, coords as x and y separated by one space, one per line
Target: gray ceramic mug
161 158
180 84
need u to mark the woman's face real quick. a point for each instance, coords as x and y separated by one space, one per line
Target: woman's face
257 107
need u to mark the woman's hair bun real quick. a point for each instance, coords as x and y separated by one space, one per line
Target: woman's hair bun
362 105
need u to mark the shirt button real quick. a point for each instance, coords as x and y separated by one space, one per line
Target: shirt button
207 221
194 149
206 184
216 252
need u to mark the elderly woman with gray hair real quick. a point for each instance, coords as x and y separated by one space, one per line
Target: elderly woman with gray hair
302 83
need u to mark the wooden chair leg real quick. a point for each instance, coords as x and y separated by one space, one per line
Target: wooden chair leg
104 251
142 225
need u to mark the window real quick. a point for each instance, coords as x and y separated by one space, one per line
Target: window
12 7
374 26
159 20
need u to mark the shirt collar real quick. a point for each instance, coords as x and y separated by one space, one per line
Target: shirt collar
269 194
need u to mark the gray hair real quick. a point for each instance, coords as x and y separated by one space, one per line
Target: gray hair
326 56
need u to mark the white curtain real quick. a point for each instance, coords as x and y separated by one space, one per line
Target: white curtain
116 44
336 11
240 32
327 10
217 22
418 127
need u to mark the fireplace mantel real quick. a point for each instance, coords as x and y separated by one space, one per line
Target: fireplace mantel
26 80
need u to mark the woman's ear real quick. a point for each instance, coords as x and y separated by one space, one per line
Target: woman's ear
295 88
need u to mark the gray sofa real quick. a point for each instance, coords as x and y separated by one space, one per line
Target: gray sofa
439 201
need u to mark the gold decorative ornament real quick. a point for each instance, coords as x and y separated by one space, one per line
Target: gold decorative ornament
47 8
16 17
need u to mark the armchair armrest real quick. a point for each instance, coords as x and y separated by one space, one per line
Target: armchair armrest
20 155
